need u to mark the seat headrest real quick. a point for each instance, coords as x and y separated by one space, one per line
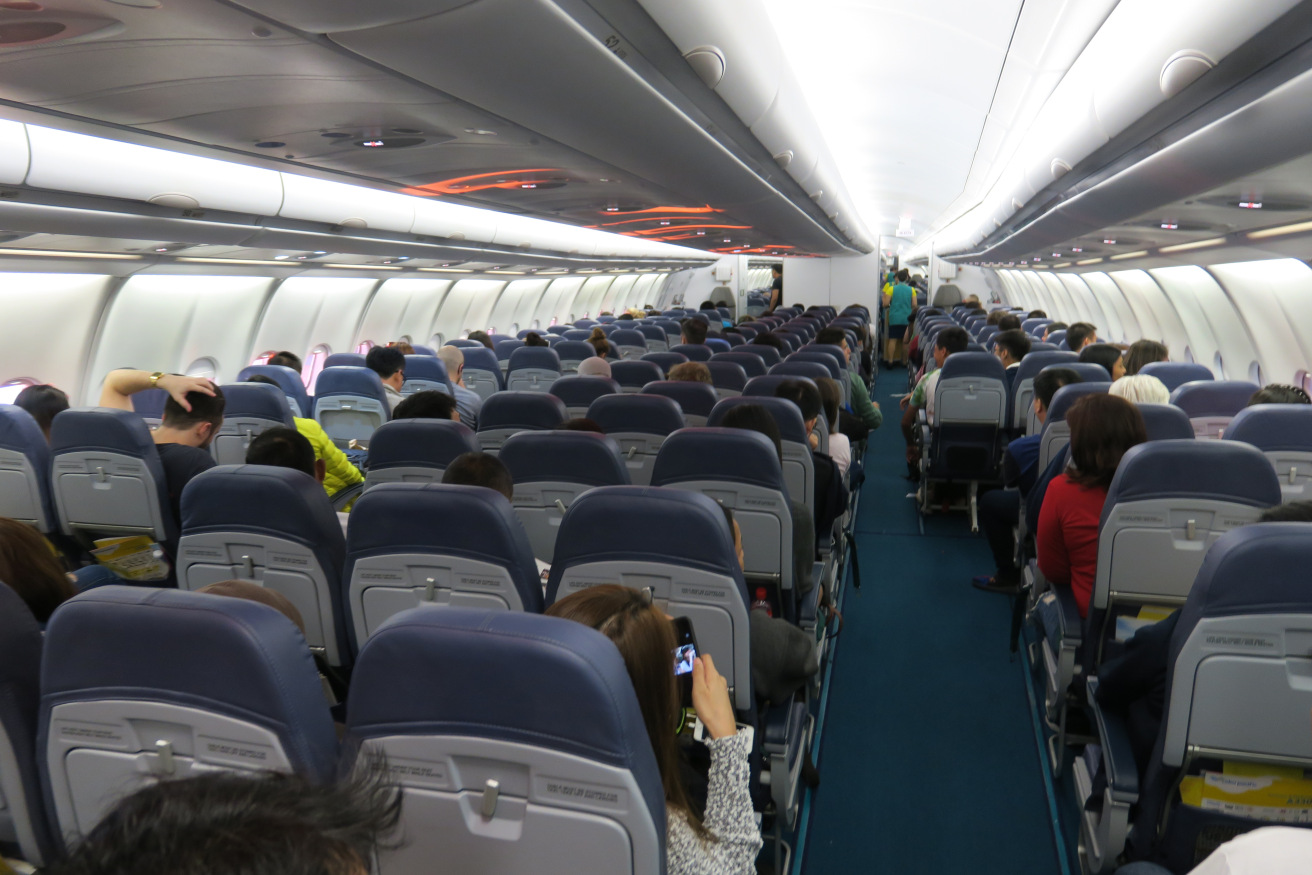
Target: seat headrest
694 399
697 352
420 443
972 364
1066 396
765 387
570 456
582 391
718 344
664 360
828 357
540 357
752 365
20 661
727 375
735 455
1036 361
643 414
531 410
480 358
1165 422
506 347
1213 397
1218 470
257 400
463 343
232 656
1254 569
786 414
1176 374
574 350
768 354
344 359
628 337
632 372
793 367
20 433
289 380
104 428
349 381
653 332
1273 427
497 338
422 367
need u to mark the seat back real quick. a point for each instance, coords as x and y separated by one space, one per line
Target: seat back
1175 374
22 809
657 339
505 413
579 392
423 373
578 334
1165 422
420 349
464 343
970 415
24 470
289 381
350 403
665 360
343 360
1211 404
1284 433
534 750
696 400
767 354
482 373
504 349
1022 385
798 464
106 477
571 353
273 526
1059 338
673 542
550 470
796 368
1056 433
728 378
830 357
633 375
498 338
532 369
414 545
141 684
718 344
1090 372
639 424
249 408
696 352
631 342
416 450
753 365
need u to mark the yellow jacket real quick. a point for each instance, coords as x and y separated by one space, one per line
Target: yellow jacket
340 472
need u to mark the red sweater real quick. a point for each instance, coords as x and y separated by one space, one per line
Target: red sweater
1068 537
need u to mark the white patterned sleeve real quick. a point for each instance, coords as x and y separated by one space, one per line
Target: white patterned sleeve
729 818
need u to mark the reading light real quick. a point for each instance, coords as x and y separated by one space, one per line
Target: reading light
1169 226
1197 244
1251 205
1280 231
1076 249
1110 242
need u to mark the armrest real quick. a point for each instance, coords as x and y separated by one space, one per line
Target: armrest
344 496
1117 756
784 726
1072 627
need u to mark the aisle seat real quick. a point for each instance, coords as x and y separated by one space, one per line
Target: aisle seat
639 424
1211 404
506 413
696 400
289 381
798 464
482 373
1284 433
22 808
1056 433
248 410
532 369
424 373
349 403
416 450
25 470
1021 417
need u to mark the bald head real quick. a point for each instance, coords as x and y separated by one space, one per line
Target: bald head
454 360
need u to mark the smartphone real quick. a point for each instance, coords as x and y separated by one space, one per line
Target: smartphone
685 651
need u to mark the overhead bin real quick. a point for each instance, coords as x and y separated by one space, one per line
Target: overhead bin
348 206
436 218
13 152
326 16
66 161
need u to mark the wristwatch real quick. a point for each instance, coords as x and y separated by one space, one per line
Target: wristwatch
154 379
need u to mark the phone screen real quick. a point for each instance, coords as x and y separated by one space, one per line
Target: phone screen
685 651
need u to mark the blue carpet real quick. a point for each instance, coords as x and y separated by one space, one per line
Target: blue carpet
928 760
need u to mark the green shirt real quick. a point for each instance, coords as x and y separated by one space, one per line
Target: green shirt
861 405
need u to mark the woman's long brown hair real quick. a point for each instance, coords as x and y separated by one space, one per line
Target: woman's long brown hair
30 568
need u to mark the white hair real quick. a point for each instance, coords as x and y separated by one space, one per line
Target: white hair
1141 389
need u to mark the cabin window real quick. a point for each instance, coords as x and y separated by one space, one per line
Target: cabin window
203 367
263 358
1304 380
9 390
1255 374
1218 367
364 346
492 330
1189 355
437 341
314 364
555 321
405 338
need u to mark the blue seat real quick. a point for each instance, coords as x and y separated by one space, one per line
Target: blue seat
249 409
1211 404
1284 433
696 352
275 526
289 381
420 349
1090 372
539 719
717 344
504 348
508 412
571 353
1056 433
423 373
1042 346
106 478
986 335
532 369
665 360
1029 325
605 319
793 340
633 375
176 684
498 338
557 329
552 339
657 338
465 343
728 378
767 354
579 392
149 405
23 813
550 470
414 545
753 365
829 357
764 387
673 331
797 368
25 470
344 360
639 424
1165 422
1021 416
632 343
482 372
349 403
416 450
1176 374
696 400
798 464
580 334
1059 338
735 339
586 324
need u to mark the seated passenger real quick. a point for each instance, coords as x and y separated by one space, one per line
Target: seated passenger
404 347
581 423
1080 335
951 340
1037 314
726 839
285 359
339 473
284 447
599 342
597 366
468 402
840 447
480 469
1103 428
1144 352
769 339
830 499
1053 326
228 823
43 403
29 566
481 337
865 409
254 592
693 330
429 404
691 372
535 339
1275 393
1141 389
389 364
1008 322
1104 354
1010 347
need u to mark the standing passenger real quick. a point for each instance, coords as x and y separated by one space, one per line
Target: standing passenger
900 302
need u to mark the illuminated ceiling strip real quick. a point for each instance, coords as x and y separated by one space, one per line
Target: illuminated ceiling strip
445 269
1197 244
648 219
706 209
262 263
1059 266
1280 231
52 253
455 185
672 228
362 266
1088 261
1124 255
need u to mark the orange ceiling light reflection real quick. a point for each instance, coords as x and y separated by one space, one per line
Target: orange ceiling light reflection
651 232
704 209
759 250
483 181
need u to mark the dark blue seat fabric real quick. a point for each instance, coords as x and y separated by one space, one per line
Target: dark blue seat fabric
350 403
497 338
1043 346
1273 427
671 328
986 334
1090 372
665 360
734 455
1210 404
786 415
656 336
564 456
420 349
464 343
1165 422
795 368
25 470
832 362
605 319
249 409
639 414
768 354
718 344
580 334
504 348
970 415
416 450
1029 325
521 411
149 404
571 352
1058 337
587 324
609 328
289 381
423 373
1176 374
349 381
546 689
735 339
557 329
532 369
758 387
631 342
1022 383
20 676
754 365
579 392
482 372
696 400
526 332
144 664
1220 470
728 378
1068 395
344 360
793 340
633 375
697 352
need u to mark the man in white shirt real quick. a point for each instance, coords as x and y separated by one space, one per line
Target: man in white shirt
388 363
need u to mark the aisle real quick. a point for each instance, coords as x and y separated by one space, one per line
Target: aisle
928 761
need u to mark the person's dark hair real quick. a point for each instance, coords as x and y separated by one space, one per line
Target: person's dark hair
707 305
43 403
1276 393
1049 380
831 337
1037 314
534 339
482 337
385 360
282 447
204 408
953 339
1103 427
286 359
263 380
1053 326
831 398
1009 322
31 569
694 330
480 469
754 417
1293 512
1104 354
1144 352
903 275
226 823
645 639
804 394
580 423
777 268
428 404
995 317
1017 343
1078 333
691 372
625 317
768 338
